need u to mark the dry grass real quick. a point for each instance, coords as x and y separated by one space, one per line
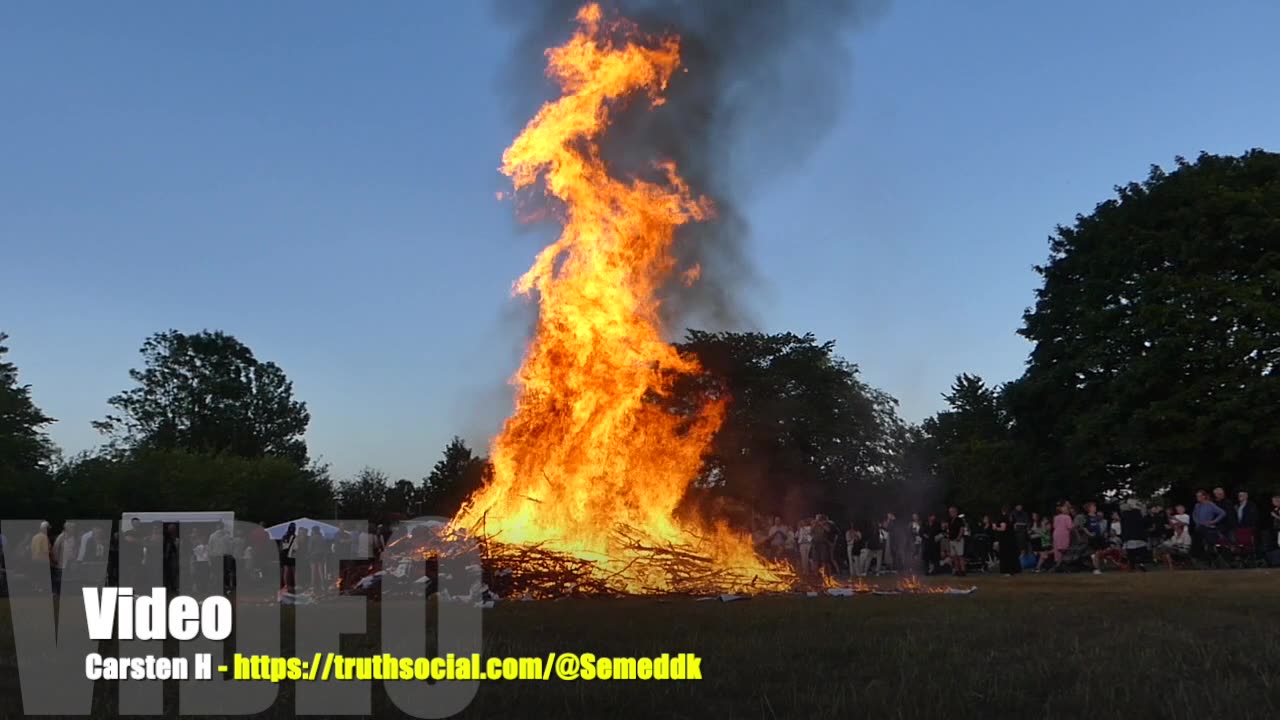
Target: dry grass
1157 645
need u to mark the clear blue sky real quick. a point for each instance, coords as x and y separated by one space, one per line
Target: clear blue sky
318 179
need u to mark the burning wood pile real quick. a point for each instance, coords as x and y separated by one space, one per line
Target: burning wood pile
539 571
517 571
644 567
591 467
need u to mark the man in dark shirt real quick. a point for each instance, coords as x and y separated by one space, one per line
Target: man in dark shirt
1133 535
955 538
1227 525
1021 529
1245 515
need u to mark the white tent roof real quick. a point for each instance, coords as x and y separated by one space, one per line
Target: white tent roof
277 531
225 517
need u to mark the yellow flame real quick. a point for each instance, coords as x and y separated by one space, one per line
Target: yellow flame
588 455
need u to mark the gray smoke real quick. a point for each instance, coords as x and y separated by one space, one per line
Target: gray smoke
765 82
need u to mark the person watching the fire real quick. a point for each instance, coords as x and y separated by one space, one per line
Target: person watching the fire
955 540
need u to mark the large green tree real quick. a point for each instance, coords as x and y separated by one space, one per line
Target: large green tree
802 430
25 449
23 442
1157 335
364 497
458 474
207 393
266 489
976 458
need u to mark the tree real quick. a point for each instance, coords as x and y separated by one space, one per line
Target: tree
25 450
974 453
24 446
1157 335
801 430
453 479
267 489
404 498
207 393
364 497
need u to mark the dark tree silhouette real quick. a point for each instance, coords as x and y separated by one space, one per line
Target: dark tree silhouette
207 393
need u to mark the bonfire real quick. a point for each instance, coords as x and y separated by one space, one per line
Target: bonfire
591 467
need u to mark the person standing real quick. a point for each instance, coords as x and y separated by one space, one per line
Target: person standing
1133 534
1095 528
804 543
40 557
1246 520
917 540
853 549
776 541
289 557
319 558
873 549
217 548
1022 529
887 545
1061 531
84 546
824 544
1007 537
934 536
1275 521
1208 518
955 540
170 561
62 555
900 537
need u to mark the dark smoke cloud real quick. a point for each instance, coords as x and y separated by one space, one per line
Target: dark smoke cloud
765 82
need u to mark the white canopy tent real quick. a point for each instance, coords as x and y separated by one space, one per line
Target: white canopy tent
277 531
225 517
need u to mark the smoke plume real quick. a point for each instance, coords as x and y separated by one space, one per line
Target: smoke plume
764 82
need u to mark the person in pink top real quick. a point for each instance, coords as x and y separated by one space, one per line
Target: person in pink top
1061 531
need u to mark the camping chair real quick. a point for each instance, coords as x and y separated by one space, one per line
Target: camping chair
1240 551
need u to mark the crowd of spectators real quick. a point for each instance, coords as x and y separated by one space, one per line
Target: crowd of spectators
1215 530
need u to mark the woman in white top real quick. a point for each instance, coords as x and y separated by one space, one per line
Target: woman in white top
1179 545
804 541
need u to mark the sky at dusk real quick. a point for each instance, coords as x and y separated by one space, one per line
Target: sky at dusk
318 179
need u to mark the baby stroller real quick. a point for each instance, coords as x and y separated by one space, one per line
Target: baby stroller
1077 557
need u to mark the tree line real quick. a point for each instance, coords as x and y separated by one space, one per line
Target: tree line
1154 368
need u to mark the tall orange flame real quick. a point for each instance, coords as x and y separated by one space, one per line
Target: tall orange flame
588 455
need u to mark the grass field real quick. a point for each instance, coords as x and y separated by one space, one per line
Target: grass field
1157 645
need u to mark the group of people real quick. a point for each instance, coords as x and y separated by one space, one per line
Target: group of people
307 558
1130 536
219 557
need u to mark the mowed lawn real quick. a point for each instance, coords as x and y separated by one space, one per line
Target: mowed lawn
1157 645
